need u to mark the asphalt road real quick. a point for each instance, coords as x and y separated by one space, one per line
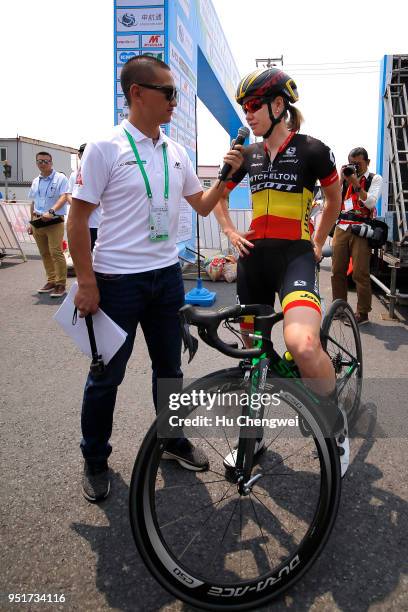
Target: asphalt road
54 542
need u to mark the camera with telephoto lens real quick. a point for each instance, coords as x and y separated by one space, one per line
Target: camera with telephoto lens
350 169
366 231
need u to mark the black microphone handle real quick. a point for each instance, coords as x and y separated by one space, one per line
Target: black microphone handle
240 139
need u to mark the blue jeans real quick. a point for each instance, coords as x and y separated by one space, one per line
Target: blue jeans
152 299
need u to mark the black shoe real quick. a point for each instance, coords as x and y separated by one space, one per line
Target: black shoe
95 481
188 456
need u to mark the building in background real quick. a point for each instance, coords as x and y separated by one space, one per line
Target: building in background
20 152
208 175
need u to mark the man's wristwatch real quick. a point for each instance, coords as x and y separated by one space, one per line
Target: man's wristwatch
52 212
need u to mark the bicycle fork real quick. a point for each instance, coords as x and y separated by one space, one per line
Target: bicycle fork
247 436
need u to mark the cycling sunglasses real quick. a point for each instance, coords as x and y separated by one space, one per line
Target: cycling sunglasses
253 105
171 93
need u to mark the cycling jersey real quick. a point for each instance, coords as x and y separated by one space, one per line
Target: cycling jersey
282 190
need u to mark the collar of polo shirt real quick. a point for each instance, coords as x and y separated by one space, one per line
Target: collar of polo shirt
139 136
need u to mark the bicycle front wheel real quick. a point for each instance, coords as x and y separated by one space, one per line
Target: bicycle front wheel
215 548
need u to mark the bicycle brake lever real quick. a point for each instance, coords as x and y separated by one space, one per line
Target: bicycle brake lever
189 341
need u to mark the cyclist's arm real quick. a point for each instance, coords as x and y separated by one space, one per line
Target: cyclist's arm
222 215
331 210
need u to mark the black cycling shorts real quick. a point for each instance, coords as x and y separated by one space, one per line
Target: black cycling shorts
285 267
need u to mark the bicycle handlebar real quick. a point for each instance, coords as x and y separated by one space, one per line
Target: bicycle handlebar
208 321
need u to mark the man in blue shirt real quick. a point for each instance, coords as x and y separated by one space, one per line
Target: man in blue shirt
48 207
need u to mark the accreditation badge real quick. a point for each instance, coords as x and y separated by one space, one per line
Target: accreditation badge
159 223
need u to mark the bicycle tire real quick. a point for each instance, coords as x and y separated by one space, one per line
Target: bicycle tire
190 585
336 331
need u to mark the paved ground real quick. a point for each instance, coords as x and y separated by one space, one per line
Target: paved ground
53 541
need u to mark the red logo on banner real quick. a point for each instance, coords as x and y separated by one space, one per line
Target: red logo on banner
79 178
154 40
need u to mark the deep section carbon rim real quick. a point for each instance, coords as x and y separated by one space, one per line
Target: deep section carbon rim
217 549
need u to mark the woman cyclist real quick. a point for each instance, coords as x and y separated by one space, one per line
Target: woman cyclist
277 254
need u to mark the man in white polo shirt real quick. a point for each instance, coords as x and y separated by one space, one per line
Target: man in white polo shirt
139 176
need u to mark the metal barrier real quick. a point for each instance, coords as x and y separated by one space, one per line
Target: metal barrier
211 236
18 215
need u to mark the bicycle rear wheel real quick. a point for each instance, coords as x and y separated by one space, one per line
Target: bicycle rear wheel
341 340
216 549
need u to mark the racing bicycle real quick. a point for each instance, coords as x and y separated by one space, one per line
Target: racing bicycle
234 538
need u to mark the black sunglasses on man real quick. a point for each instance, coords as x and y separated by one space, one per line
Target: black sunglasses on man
171 93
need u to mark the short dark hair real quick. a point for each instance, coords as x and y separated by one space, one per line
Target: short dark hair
359 151
82 148
43 153
139 69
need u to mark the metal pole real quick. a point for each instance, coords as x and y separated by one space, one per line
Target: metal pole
393 287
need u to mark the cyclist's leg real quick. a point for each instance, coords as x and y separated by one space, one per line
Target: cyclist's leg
258 279
302 318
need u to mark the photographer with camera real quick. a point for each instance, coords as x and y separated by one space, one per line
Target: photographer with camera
354 233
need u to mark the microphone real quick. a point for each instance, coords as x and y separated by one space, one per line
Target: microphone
243 133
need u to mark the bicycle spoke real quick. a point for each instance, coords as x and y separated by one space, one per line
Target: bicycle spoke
286 533
194 484
206 521
260 529
181 518
284 459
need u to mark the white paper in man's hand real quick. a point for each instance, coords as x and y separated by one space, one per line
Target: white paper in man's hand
108 335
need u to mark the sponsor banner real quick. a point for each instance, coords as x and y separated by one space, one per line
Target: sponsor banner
176 76
183 103
119 91
139 19
217 47
123 56
127 42
184 39
176 58
185 228
173 132
121 103
158 54
181 120
138 2
118 72
192 111
185 87
153 40
185 5
121 115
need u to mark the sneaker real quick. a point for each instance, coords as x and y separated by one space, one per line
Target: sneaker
48 287
58 292
230 460
343 445
361 318
95 481
188 456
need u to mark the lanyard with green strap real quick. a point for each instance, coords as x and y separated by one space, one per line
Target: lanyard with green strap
159 218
